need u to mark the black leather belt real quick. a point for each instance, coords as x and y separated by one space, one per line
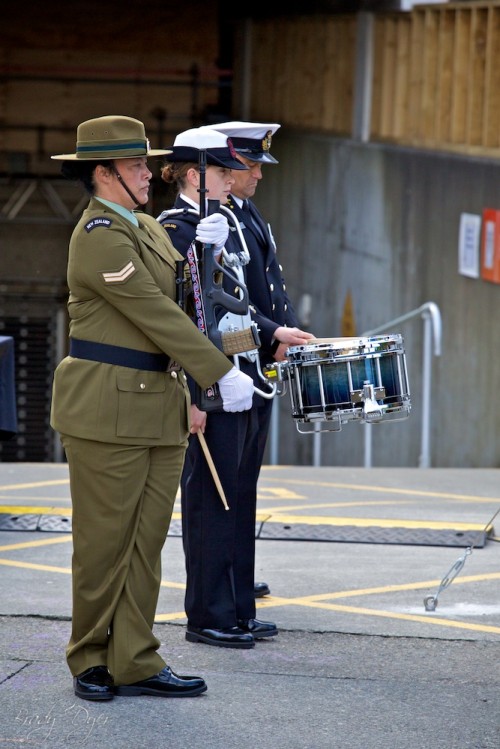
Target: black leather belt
121 356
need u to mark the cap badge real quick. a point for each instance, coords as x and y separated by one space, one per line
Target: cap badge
231 148
266 141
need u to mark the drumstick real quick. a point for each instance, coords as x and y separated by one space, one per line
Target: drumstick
212 467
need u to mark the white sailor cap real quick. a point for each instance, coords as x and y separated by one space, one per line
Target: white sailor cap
218 147
250 139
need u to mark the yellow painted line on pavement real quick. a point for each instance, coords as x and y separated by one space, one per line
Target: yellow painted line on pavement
326 504
178 586
30 510
32 498
32 544
33 484
393 588
385 489
170 617
428 619
32 566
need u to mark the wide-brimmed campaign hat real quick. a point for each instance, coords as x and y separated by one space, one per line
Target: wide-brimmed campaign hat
250 139
218 148
111 137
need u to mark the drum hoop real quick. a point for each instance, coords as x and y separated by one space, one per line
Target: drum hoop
325 350
319 344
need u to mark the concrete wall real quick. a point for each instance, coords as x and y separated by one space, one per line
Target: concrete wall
382 223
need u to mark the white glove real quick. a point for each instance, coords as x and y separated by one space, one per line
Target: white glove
236 389
213 230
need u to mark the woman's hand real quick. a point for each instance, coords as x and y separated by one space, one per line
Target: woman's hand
198 420
289 337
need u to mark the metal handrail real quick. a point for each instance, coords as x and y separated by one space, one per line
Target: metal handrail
431 316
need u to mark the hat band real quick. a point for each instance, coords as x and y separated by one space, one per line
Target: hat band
113 148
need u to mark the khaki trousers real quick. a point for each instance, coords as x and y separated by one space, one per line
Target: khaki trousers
122 499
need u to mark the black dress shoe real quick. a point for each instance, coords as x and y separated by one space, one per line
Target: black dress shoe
258 628
261 589
230 637
164 684
96 683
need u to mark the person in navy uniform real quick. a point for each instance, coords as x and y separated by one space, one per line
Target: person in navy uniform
219 545
120 403
277 320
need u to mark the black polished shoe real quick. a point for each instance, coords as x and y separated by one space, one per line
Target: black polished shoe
261 589
258 628
230 637
164 684
96 683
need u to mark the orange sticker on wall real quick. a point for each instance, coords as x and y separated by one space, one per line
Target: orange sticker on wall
490 246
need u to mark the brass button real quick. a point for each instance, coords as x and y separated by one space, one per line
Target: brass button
173 374
142 386
271 287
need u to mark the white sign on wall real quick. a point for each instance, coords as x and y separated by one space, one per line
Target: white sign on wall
469 239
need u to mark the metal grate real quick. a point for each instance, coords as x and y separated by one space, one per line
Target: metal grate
35 356
373 535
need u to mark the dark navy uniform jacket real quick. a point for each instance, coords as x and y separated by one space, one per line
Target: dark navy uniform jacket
266 286
181 229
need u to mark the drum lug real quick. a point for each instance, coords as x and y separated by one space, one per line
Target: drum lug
358 396
372 411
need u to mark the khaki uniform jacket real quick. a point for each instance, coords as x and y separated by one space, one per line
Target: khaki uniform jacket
122 292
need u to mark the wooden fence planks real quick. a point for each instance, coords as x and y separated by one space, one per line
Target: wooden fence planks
435 80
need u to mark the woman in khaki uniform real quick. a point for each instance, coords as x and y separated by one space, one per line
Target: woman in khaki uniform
121 404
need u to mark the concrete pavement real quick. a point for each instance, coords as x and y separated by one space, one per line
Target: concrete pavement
349 554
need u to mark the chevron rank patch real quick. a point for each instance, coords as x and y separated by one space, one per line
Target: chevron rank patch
98 221
120 276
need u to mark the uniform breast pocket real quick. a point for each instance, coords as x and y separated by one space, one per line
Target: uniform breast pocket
141 402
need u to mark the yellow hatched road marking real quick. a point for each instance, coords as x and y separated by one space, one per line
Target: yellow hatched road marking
385 489
319 601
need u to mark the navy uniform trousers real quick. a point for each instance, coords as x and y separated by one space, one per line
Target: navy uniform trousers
219 544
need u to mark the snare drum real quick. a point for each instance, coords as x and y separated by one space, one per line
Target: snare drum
339 380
